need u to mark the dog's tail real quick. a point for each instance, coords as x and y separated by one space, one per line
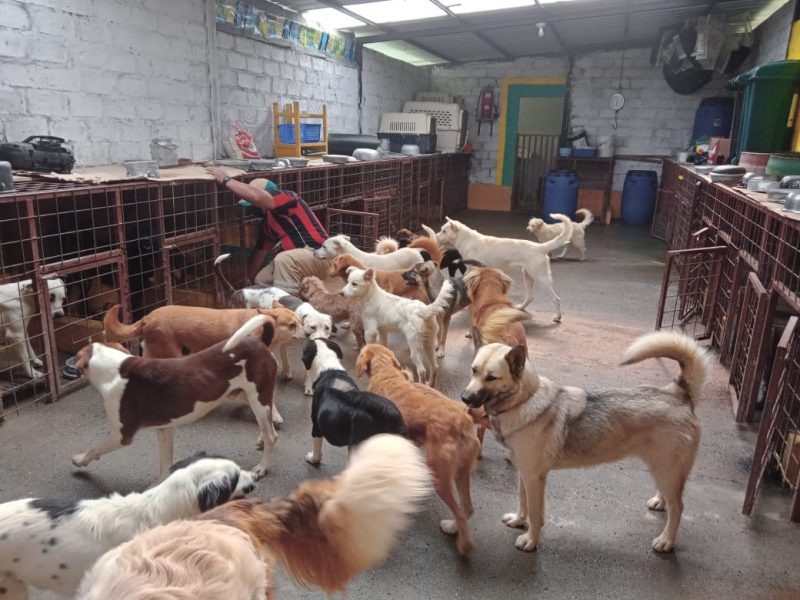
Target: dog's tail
588 218
562 239
249 327
114 331
431 233
497 323
666 344
386 245
441 303
429 245
220 275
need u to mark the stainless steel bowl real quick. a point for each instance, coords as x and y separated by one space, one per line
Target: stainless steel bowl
6 177
792 203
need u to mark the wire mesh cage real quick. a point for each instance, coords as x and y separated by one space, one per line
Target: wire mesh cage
189 207
192 280
361 227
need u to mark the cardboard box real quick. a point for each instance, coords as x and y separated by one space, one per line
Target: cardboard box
723 146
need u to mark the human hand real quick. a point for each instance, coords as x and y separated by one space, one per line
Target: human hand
217 172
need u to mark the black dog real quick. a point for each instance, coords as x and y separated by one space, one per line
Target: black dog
340 412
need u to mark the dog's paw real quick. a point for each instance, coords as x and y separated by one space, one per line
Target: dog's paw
525 543
656 503
287 375
557 319
80 460
276 420
260 444
514 520
440 353
259 471
313 460
307 391
662 544
37 362
468 335
448 526
464 545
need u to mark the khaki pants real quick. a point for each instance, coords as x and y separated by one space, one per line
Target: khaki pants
289 267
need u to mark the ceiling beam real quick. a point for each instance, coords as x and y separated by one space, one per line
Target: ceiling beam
476 32
552 27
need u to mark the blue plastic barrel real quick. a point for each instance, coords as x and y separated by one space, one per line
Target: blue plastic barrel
713 118
560 194
639 197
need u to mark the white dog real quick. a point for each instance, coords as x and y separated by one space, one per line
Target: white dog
545 232
17 308
551 426
383 313
50 544
505 253
404 258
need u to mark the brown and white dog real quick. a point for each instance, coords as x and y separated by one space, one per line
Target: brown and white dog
341 309
324 534
162 393
407 238
440 426
494 318
391 281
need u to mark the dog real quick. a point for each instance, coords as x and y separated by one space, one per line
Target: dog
161 393
428 276
441 426
383 312
407 238
505 253
392 281
17 308
549 426
324 534
340 412
341 309
50 544
493 316
545 232
402 258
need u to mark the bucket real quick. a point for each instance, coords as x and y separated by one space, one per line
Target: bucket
560 194
164 151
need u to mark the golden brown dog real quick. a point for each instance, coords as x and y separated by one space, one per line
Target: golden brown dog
391 281
440 426
408 238
494 318
314 291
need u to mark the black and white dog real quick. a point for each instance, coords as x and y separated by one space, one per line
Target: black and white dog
49 544
340 412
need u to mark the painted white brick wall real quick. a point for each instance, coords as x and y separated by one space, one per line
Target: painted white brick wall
109 76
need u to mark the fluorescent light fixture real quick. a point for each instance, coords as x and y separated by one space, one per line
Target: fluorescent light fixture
405 52
394 11
461 7
330 18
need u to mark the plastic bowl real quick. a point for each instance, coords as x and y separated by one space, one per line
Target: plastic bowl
565 152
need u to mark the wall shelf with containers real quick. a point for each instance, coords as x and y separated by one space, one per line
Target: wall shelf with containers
293 133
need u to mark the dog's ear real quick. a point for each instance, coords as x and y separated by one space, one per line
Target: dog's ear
427 268
425 255
268 332
363 361
335 347
516 360
507 282
309 354
369 275
350 269
217 491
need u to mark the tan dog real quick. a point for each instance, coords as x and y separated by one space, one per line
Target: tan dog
549 426
314 291
440 426
494 318
408 238
391 281
545 232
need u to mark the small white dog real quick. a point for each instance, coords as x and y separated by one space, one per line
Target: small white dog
404 258
545 232
507 253
50 544
17 308
383 313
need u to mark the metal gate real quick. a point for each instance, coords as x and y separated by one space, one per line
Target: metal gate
533 156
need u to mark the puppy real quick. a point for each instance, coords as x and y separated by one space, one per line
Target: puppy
341 309
383 313
324 534
158 393
549 426
17 308
439 425
545 232
494 318
507 253
403 258
50 544
340 412
392 281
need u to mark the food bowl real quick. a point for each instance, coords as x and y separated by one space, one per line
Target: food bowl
792 203
755 162
244 165
298 163
262 164
791 182
336 159
366 154
141 168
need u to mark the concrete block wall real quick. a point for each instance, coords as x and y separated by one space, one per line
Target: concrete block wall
109 76
465 82
773 36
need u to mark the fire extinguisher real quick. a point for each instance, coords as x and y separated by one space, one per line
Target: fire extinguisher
487 108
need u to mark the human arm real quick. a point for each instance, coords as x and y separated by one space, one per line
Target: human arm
260 198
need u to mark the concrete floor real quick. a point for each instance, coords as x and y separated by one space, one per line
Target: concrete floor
596 543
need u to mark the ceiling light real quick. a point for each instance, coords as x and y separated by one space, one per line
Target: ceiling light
541 29
461 7
330 18
394 11
406 52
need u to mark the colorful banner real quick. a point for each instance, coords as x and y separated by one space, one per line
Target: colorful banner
256 21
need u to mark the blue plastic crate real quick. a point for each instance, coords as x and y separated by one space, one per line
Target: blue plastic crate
309 133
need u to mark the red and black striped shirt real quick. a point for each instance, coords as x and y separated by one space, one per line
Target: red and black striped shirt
291 223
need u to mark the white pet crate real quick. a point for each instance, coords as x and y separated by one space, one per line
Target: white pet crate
451 123
433 97
409 128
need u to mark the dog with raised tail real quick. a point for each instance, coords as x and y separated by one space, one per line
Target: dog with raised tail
509 253
549 426
49 544
324 534
162 393
545 232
